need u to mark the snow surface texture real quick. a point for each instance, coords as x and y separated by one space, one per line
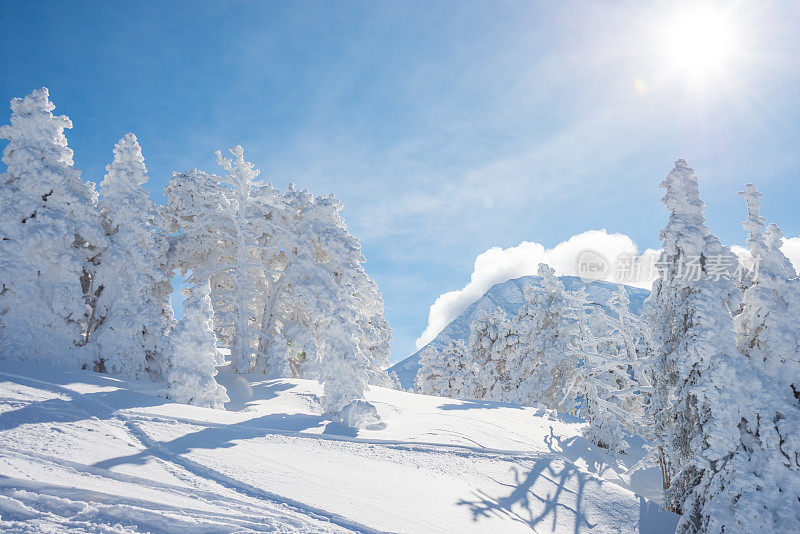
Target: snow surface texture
509 296
83 452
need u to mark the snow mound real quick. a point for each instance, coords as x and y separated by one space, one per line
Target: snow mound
85 452
359 414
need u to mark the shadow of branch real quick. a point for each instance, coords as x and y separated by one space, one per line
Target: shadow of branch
537 495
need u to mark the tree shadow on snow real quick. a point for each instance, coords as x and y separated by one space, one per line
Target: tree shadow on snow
538 495
469 404
220 437
540 411
577 448
337 429
75 407
244 394
550 496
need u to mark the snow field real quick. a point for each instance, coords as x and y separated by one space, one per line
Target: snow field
86 452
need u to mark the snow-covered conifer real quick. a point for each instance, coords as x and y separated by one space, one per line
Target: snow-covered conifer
342 365
429 375
543 363
486 378
748 490
50 233
194 357
338 253
226 234
767 328
445 373
694 405
132 313
321 268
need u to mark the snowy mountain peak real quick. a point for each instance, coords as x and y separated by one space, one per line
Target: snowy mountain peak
509 296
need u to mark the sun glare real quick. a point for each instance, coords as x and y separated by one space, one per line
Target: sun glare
700 42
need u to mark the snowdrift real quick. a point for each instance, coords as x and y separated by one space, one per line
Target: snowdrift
81 451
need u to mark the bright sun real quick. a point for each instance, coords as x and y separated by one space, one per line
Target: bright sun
700 42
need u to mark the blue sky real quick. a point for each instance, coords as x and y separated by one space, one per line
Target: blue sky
446 128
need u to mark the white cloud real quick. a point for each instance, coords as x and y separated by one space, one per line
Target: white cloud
791 247
498 265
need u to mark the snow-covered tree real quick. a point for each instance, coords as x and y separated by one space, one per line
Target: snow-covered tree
429 377
611 379
132 313
767 328
338 259
445 373
50 235
194 357
629 341
485 378
321 267
754 487
750 488
376 333
251 231
695 405
226 234
284 326
274 262
757 489
542 362
342 365
596 377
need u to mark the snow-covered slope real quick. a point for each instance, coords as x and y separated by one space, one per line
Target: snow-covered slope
509 297
83 452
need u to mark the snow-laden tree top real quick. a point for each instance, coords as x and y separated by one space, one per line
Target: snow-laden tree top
765 243
241 174
40 162
128 167
754 224
773 236
687 228
34 126
122 193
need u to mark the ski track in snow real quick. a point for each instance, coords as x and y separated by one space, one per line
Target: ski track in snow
200 490
241 487
17 499
412 446
200 471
